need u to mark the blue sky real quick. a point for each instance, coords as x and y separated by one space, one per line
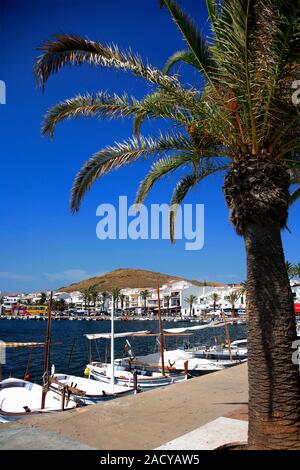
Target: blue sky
42 244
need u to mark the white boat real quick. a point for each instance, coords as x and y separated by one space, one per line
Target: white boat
221 352
20 398
93 390
124 375
175 360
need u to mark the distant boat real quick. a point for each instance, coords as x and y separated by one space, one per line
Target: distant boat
238 352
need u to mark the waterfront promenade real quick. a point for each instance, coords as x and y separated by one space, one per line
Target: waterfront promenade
145 421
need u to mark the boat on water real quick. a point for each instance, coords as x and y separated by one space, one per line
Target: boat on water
176 360
91 391
123 373
224 354
124 376
19 398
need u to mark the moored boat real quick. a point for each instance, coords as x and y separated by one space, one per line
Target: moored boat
20 398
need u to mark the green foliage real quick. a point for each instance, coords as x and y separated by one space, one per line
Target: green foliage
243 105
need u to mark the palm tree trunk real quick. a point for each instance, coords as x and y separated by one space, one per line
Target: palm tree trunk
274 381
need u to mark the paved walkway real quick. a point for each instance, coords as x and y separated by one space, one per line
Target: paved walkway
144 421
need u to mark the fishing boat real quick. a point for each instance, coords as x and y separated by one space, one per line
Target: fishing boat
19 398
176 360
125 374
124 371
223 353
90 391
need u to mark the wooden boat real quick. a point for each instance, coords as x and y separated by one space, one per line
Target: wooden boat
19 398
91 391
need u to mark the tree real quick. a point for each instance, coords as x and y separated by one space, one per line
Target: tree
290 269
43 298
240 122
87 296
104 296
93 293
232 298
191 299
215 298
296 270
145 294
116 295
122 300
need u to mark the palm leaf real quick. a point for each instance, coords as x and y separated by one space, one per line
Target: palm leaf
74 50
180 56
196 43
121 154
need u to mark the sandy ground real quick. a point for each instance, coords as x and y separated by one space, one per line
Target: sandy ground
148 420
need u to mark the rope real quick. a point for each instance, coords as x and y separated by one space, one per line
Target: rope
28 363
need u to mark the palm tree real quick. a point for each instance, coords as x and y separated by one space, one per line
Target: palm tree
86 293
104 297
94 294
232 298
215 298
296 271
145 294
116 295
191 299
122 299
290 269
240 122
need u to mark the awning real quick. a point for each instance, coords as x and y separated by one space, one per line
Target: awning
193 328
117 335
20 345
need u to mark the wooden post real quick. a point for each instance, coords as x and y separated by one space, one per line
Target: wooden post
161 334
47 350
186 369
63 398
227 335
135 382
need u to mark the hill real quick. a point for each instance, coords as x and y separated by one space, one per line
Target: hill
129 278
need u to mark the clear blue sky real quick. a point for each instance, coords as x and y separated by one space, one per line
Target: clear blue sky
42 244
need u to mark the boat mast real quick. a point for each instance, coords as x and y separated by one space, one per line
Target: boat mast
112 346
47 350
161 333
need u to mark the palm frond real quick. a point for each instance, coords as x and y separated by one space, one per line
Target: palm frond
75 50
103 105
161 168
123 153
180 56
186 184
196 43
295 195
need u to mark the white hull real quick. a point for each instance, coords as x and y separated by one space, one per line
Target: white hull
175 360
19 398
95 391
145 379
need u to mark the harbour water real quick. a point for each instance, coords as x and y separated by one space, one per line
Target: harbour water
69 349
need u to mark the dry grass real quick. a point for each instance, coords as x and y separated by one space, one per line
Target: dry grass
128 278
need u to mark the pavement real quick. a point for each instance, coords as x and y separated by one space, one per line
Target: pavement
215 403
